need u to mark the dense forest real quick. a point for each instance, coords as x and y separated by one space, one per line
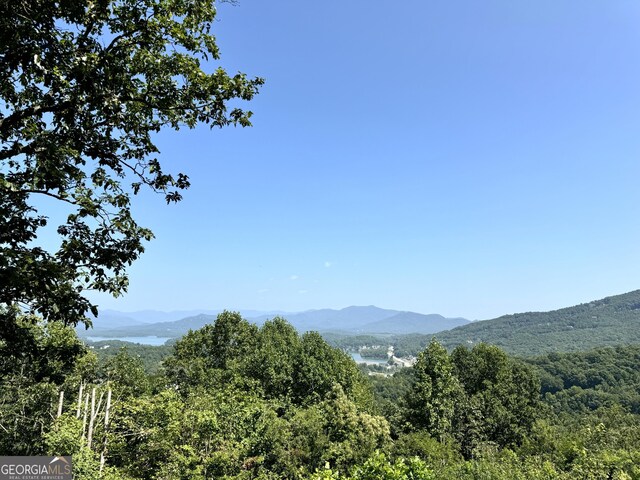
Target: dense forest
237 401
610 321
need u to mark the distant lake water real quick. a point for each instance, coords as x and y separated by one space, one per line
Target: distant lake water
369 361
148 340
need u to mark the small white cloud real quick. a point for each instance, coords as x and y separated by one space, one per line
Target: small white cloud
327 264
302 292
293 277
263 290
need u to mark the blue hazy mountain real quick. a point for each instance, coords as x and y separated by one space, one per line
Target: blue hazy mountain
411 322
349 318
110 319
368 319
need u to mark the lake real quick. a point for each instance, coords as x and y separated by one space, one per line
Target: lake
148 340
369 361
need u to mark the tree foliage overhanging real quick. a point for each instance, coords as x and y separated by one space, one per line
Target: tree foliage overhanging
84 86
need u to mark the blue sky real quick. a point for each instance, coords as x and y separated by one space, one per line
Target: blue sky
456 157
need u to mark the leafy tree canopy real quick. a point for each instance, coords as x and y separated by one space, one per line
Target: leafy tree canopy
431 403
273 361
480 397
84 86
36 360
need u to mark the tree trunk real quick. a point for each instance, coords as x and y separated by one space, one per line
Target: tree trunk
60 404
106 424
92 417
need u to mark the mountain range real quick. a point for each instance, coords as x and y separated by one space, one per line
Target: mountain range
115 319
350 320
613 320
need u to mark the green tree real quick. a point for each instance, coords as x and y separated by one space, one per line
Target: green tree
319 367
379 468
84 86
501 398
272 361
335 432
201 356
218 434
36 359
432 400
126 374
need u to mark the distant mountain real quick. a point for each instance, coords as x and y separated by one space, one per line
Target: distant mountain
173 329
410 322
369 319
156 316
111 319
348 320
611 321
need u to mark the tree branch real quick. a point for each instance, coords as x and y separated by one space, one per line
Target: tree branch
49 194
13 120
17 149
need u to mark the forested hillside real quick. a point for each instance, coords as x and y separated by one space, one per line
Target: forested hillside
611 321
582 381
238 401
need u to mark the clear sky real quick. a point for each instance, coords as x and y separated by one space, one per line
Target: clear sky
457 157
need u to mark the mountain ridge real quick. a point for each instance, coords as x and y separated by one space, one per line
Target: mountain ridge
350 319
613 320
